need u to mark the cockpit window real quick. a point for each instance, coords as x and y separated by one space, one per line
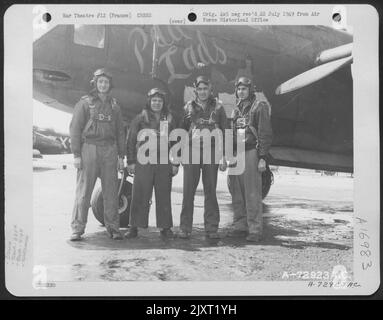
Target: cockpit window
89 35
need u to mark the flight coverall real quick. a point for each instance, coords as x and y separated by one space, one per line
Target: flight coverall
246 188
98 137
149 176
195 117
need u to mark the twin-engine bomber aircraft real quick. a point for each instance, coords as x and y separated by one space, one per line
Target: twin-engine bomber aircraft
303 72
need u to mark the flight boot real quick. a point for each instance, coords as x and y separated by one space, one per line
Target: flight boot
167 233
132 233
75 237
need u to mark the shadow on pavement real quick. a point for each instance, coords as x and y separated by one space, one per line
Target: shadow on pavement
149 239
276 203
288 235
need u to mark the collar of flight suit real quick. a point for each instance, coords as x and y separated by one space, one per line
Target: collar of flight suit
151 119
211 103
244 106
152 116
95 98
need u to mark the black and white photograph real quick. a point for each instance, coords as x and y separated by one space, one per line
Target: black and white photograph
219 151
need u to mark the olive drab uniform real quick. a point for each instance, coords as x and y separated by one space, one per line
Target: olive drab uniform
196 117
246 189
98 137
149 176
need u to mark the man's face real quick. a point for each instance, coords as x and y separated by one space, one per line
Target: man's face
156 104
243 92
103 84
203 91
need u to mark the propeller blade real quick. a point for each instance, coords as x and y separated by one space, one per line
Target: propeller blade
334 53
312 75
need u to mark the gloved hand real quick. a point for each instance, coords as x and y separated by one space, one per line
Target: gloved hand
77 163
261 165
120 164
131 168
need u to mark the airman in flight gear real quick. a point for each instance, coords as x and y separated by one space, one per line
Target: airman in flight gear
98 144
253 118
156 117
204 112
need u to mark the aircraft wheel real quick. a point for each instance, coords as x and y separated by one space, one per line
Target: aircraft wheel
123 204
267 181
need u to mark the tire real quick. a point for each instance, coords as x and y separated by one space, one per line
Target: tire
97 204
267 181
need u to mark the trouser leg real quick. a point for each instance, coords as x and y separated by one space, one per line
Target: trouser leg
107 156
211 209
253 193
191 179
86 179
162 189
237 190
141 195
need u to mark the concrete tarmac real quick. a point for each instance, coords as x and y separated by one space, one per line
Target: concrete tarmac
308 227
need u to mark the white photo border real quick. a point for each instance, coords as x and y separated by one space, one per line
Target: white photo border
18 40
